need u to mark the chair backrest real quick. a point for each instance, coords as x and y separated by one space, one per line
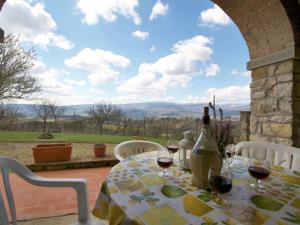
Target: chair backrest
277 154
129 148
7 164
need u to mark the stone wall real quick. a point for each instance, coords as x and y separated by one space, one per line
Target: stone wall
272 103
245 125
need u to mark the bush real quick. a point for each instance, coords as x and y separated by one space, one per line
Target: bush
46 136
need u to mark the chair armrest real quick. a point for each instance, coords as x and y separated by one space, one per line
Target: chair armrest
56 182
80 185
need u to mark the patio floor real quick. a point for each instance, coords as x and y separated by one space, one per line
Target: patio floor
59 220
34 202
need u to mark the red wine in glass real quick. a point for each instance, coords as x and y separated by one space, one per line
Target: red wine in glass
259 172
259 169
172 148
220 184
229 154
164 162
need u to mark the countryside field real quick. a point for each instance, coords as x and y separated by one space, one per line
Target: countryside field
27 136
18 144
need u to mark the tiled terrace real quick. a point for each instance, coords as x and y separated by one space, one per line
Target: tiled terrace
34 202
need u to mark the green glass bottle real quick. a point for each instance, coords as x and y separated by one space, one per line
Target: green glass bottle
205 154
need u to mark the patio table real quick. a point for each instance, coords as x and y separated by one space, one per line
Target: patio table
134 194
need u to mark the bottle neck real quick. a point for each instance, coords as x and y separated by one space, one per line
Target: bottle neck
205 119
206 131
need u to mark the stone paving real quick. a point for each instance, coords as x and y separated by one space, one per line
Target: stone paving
34 202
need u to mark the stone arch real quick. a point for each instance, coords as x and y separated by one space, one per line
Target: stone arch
271 30
264 24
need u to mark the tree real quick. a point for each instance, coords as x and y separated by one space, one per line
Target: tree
104 112
43 111
56 112
8 116
15 66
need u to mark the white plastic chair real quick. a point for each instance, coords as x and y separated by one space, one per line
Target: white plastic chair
80 185
129 148
277 154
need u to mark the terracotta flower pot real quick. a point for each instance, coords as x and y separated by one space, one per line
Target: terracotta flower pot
52 152
99 150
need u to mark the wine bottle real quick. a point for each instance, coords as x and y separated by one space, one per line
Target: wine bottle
205 154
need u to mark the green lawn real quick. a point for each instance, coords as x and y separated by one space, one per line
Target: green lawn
24 136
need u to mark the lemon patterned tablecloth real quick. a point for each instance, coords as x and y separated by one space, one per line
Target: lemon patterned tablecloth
134 194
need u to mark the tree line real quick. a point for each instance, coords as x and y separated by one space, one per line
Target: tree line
102 118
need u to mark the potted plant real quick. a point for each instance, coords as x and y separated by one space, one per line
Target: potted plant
52 152
99 150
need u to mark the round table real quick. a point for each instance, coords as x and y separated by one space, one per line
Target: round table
134 194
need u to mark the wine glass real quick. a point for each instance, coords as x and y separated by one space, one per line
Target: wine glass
220 183
259 169
172 146
229 151
164 160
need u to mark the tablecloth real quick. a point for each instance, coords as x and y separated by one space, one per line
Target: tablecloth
134 194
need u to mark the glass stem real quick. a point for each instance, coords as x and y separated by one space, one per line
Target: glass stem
165 172
218 198
258 183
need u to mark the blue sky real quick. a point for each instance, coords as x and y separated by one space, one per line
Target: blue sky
131 51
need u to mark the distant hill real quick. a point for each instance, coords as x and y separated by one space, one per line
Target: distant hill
148 109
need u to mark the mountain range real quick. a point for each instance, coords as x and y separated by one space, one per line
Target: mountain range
148 109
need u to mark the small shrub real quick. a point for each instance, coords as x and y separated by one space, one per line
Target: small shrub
222 130
137 138
46 136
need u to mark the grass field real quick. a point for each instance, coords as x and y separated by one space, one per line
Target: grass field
18 145
25 136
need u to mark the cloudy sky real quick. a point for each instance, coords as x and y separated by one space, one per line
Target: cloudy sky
131 51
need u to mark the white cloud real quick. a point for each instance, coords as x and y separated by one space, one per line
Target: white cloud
193 99
109 10
152 49
99 63
134 99
96 92
214 16
140 34
57 86
33 23
159 9
238 73
154 79
78 83
50 80
225 95
212 70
